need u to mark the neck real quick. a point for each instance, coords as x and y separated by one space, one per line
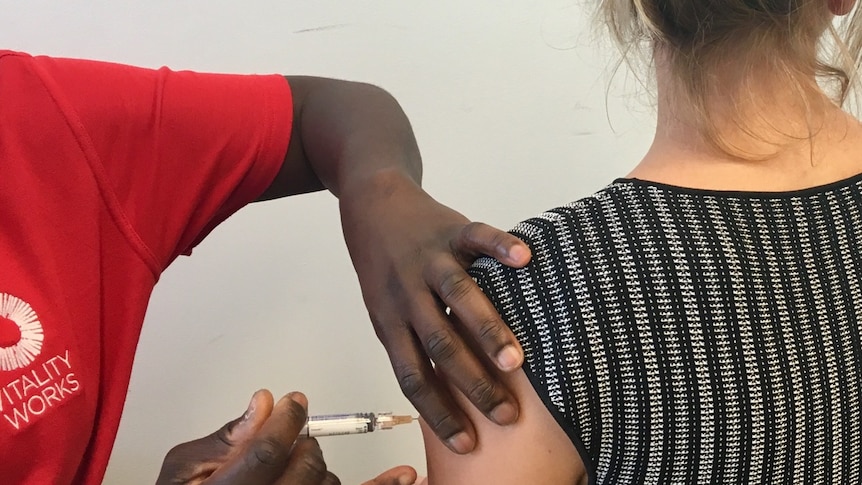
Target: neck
776 135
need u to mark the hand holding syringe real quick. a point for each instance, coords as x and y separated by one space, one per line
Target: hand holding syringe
358 423
261 446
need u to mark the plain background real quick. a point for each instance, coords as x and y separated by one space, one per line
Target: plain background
516 109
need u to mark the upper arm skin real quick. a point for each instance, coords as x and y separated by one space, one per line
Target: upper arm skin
533 450
296 175
343 133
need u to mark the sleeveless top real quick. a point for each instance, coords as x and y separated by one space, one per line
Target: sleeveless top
692 336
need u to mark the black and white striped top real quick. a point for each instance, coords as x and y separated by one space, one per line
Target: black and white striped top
691 336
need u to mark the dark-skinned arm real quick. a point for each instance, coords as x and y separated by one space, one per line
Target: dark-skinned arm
410 252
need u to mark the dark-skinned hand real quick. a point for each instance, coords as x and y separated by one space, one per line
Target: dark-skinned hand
410 253
261 448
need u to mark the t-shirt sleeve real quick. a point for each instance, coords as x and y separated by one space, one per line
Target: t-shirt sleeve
528 299
175 153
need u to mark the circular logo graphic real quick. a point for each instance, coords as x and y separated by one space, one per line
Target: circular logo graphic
21 333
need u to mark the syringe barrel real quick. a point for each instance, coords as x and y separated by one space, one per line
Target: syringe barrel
339 424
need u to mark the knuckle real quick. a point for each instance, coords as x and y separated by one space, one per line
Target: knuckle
375 317
223 435
501 239
269 453
483 393
484 236
492 331
331 479
412 382
485 233
174 455
455 285
311 466
442 346
445 425
378 323
394 284
471 230
177 468
388 328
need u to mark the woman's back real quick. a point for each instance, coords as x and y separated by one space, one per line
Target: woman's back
689 336
701 320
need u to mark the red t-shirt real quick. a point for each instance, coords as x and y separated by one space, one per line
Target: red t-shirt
107 174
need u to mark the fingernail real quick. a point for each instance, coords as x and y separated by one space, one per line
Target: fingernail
461 443
299 398
405 480
509 358
249 411
504 414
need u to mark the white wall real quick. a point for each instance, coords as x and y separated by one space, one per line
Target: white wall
507 98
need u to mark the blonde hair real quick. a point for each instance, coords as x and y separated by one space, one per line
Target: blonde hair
796 38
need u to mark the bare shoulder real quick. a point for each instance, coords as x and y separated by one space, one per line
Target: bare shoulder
533 450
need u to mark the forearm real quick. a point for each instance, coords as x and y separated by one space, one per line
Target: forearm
346 137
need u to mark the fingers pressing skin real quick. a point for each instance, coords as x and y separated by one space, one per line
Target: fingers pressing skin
457 361
410 253
421 386
481 322
444 345
266 457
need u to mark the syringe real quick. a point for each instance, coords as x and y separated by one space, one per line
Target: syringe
358 423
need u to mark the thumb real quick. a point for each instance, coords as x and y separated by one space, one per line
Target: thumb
235 434
477 239
400 475
239 431
195 460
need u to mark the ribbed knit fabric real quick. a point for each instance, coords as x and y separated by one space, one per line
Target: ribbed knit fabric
690 336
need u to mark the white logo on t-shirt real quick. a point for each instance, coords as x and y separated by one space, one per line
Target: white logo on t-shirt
21 333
